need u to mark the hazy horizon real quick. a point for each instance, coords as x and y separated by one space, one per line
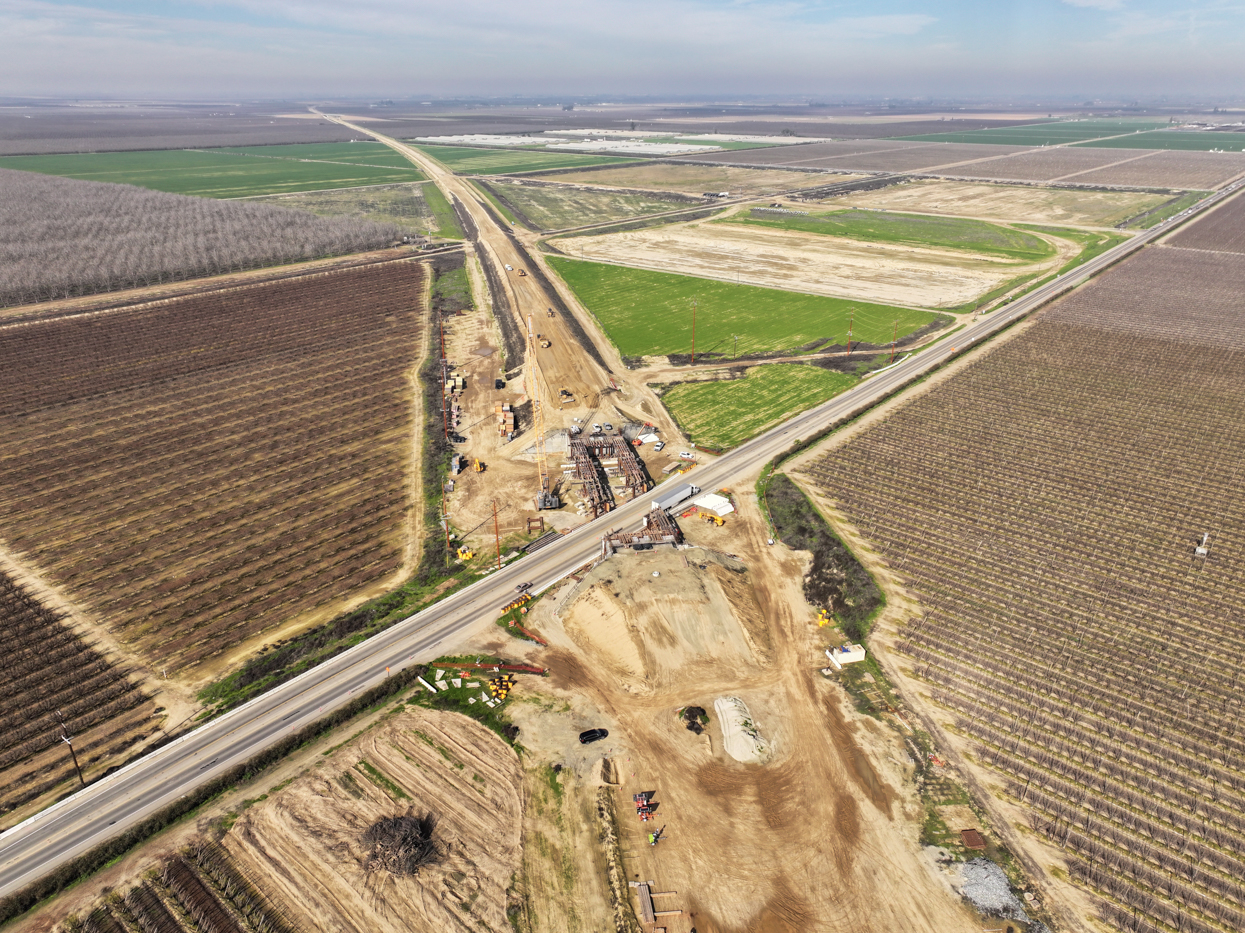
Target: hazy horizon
1117 49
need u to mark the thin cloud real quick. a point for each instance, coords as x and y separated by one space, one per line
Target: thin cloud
1108 5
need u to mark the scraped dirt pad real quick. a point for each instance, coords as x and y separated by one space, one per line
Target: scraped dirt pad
649 631
305 840
811 262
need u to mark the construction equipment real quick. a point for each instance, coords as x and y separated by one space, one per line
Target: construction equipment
522 272
655 837
714 519
545 497
545 342
823 618
477 465
465 553
551 312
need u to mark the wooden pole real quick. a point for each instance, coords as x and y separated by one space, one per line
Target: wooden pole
496 534
851 320
693 331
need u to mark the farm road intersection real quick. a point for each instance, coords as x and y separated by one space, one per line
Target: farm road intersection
124 798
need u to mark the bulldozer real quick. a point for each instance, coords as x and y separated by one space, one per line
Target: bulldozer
465 553
714 519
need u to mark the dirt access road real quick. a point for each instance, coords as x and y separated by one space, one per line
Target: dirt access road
564 364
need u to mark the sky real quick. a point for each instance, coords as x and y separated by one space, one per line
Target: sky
307 49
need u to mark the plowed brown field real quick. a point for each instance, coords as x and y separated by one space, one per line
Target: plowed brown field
305 840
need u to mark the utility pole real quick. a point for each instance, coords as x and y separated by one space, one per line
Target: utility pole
68 740
894 340
851 320
496 534
735 355
693 330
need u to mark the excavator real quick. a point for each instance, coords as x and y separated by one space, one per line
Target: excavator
465 553
714 519
478 465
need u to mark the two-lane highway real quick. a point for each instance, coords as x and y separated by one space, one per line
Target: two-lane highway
105 808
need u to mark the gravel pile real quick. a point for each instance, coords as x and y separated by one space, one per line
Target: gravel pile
985 886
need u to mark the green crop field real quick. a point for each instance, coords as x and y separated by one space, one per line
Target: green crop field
650 313
210 173
1172 139
1043 134
559 208
360 153
724 414
467 161
978 236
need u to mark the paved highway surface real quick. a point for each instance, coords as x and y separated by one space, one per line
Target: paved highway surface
107 807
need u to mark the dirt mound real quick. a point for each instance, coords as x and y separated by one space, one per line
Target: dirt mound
741 737
649 630
311 839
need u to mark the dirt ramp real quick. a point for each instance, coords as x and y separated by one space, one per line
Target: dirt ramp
308 839
650 618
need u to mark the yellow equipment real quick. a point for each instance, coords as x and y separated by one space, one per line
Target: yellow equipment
477 466
823 618
465 553
716 519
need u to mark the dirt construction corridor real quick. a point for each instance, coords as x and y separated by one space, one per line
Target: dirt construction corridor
816 837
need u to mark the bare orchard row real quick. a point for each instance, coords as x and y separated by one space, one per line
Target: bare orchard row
1044 505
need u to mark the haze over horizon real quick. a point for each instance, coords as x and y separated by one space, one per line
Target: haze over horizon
314 48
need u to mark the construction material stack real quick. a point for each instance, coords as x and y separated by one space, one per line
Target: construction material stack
499 687
505 420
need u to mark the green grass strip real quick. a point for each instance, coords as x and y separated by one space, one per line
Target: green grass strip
377 777
977 236
447 220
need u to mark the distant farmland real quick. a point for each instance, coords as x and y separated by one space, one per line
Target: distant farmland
1044 134
1179 140
227 173
724 414
199 471
650 313
1045 513
467 161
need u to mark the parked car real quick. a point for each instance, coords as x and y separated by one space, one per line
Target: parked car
596 428
686 455
608 427
592 735
660 445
